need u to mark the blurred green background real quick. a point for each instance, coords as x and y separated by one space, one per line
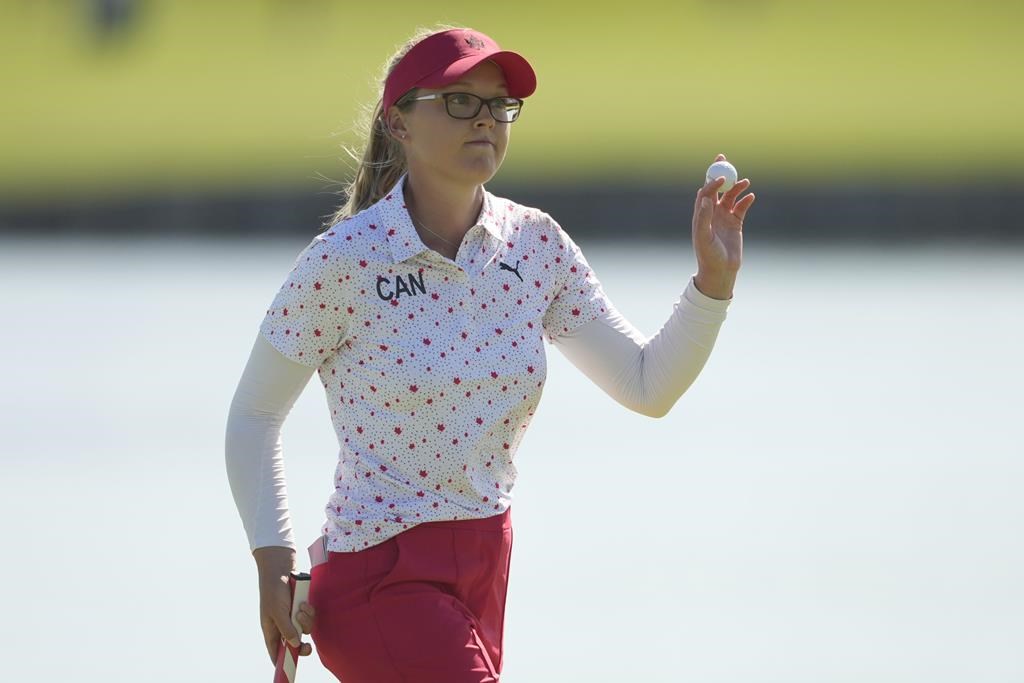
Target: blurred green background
119 98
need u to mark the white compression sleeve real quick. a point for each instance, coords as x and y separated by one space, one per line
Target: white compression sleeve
268 389
647 375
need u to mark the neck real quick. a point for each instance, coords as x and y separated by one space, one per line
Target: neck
444 208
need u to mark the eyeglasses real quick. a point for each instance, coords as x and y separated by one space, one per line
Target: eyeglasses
464 105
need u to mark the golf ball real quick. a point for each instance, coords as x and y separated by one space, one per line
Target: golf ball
722 168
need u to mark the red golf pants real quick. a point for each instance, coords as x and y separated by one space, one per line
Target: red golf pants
426 606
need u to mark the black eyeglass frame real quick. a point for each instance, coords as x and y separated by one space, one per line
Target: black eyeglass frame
479 104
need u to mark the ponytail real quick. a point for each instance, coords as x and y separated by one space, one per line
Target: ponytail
382 161
380 167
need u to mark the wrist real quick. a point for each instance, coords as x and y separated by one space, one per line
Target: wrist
274 560
715 286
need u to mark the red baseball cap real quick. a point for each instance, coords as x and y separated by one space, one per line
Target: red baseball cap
443 58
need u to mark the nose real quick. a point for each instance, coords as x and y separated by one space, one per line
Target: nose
484 119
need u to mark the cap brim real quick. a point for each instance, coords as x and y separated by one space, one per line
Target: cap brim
520 80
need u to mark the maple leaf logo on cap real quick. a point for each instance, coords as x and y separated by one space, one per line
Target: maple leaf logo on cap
474 42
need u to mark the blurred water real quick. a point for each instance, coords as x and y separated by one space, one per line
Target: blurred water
836 499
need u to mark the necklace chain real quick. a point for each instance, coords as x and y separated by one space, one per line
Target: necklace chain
420 223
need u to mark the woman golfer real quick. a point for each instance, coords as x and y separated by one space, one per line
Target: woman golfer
424 309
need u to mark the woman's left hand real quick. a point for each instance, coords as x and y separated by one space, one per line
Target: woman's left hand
718 236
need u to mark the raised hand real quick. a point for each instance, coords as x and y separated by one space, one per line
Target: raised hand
718 235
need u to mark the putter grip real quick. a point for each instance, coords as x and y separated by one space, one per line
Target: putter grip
288 656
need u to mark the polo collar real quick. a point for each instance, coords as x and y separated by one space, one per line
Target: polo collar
403 240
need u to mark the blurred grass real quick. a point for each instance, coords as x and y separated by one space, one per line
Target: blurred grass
229 93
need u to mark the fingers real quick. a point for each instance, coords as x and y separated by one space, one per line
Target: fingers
740 210
703 208
729 197
272 634
305 617
276 621
284 624
305 649
707 201
271 644
271 638
710 189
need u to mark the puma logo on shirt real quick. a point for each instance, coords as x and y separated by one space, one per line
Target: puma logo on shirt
505 266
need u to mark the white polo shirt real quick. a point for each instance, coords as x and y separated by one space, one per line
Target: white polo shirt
432 369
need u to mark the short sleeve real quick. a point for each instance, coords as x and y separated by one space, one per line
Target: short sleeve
305 321
578 297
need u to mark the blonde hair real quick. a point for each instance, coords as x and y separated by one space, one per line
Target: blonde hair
382 161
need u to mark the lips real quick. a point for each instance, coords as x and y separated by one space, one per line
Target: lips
480 142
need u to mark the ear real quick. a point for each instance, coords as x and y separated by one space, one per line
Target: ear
395 123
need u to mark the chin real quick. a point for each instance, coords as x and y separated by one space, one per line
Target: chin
478 174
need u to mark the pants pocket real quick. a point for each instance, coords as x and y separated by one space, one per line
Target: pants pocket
424 555
431 637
